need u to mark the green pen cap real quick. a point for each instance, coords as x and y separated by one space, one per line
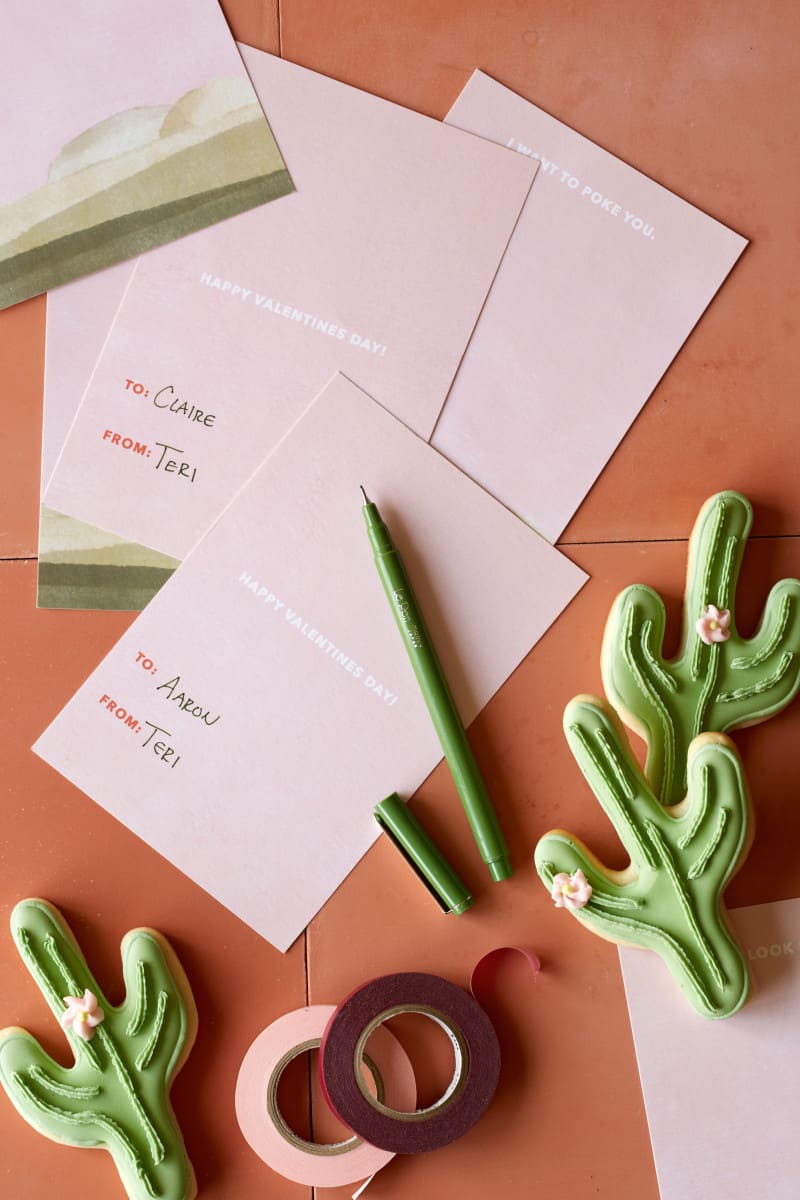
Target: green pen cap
423 855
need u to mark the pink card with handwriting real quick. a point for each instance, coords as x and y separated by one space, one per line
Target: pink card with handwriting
605 276
722 1099
377 265
115 139
261 705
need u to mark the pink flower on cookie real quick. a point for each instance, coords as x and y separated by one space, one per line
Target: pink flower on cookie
83 1014
714 625
571 891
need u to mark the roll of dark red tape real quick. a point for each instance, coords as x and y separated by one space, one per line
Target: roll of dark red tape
477 1059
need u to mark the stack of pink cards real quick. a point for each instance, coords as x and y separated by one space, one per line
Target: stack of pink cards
378 267
505 307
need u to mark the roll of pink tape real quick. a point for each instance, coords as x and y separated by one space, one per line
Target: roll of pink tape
264 1128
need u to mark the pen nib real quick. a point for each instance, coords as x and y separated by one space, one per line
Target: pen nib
364 494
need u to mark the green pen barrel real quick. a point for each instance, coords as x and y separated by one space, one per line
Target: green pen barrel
436 693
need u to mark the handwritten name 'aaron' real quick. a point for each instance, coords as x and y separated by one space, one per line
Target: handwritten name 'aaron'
185 701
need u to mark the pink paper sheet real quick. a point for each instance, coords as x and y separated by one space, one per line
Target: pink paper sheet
605 276
722 1100
276 628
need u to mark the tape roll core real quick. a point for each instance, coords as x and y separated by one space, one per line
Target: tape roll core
467 1096
274 1111
460 1048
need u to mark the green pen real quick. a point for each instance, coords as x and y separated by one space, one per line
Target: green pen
441 706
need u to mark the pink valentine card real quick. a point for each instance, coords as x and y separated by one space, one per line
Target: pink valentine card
115 139
605 276
378 266
251 717
721 1096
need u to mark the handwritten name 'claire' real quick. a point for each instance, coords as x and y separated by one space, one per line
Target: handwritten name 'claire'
165 398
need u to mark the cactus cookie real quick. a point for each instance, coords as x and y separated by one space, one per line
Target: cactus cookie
719 680
116 1094
669 899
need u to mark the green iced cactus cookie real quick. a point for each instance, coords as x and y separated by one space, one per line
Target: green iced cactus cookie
719 680
669 899
116 1095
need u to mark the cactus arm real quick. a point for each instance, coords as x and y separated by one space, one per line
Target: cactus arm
641 686
56 964
764 670
115 1095
596 741
670 897
780 609
716 549
43 1094
719 687
159 1012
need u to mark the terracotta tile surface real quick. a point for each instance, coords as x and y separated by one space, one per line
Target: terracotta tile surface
702 97
22 359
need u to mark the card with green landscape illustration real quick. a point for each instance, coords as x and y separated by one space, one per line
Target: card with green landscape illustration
115 140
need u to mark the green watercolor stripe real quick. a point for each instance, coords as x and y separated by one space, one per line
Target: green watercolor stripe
73 255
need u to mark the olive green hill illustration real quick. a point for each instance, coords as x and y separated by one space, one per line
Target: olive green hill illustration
137 180
83 567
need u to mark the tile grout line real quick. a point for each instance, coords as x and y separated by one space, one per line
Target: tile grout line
759 537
